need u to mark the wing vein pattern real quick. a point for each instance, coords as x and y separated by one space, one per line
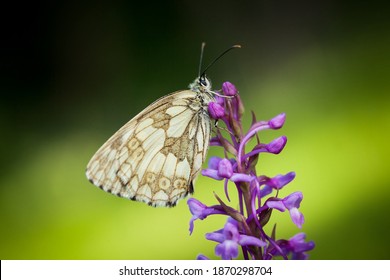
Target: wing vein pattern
156 156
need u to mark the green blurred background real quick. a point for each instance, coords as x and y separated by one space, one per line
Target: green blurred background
73 73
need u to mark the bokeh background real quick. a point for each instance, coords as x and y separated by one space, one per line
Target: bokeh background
72 73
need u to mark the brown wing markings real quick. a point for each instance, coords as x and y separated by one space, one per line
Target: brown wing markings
112 143
105 158
169 149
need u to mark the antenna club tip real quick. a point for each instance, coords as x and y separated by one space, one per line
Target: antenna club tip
236 46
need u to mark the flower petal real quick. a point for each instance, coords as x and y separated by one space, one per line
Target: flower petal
200 211
277 145
227 250
214 162
212 174
230 231
298 243
246 240
215 236
266 190
279 181
293 200
276 204
278 121
297 217
240 177
225 168
196 207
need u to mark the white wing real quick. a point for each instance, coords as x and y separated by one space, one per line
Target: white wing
157 155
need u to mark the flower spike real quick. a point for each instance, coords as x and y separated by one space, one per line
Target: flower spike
257 195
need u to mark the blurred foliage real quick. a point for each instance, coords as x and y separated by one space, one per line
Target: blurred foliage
71 74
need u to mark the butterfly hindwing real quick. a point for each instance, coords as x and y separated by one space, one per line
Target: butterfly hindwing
157 155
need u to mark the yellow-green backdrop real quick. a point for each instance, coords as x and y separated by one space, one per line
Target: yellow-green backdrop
72 74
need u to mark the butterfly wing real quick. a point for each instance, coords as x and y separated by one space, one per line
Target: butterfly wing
156 156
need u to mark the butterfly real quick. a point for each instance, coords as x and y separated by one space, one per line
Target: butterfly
156 156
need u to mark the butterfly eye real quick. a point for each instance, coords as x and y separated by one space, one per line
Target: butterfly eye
203 81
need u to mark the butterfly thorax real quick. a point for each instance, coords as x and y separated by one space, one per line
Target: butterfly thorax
202 86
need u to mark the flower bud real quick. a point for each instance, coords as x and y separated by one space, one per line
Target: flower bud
216 111
277 145
278 121
229 89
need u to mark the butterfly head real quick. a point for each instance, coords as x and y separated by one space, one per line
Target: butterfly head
201 84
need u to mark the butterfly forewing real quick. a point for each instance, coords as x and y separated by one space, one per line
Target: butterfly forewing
157 155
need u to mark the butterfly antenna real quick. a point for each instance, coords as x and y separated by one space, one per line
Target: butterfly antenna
216 59
201 57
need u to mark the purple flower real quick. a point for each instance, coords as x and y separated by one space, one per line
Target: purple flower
298 246
277 183
230 238
237 169
200 211
290 203
222 169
